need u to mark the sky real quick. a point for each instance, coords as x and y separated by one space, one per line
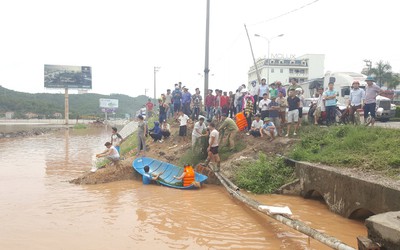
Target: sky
123 40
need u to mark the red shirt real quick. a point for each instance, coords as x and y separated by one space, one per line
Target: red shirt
210 100
224 101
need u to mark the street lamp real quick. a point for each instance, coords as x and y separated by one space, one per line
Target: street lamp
269 43
156 69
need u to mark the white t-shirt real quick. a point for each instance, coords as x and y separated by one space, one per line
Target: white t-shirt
198 129
183 120
115 140
263 104
257 124
215 134
114 152
254 90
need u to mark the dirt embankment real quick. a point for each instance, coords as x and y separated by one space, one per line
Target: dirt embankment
30 132
170 150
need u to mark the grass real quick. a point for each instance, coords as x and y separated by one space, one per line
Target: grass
80 126
263 175
361 147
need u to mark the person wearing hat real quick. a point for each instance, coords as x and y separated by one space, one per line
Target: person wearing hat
371 91
330 104
356 99
256 125
268 129
230 130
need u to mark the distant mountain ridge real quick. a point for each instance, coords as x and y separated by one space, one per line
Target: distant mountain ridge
46 105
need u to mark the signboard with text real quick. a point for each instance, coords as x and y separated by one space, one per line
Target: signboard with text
108 103
64 76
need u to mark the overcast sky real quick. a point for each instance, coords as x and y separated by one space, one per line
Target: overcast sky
124 39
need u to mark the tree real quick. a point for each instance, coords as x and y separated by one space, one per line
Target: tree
394 81
382 72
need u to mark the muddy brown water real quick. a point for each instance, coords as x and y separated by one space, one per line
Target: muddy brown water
40 209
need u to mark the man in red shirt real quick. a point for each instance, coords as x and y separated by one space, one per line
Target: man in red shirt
209 103
225 103
149 108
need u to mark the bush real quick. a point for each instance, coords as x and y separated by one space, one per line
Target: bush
263 175
350 146
397 112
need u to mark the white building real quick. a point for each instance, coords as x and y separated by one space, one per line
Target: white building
285 67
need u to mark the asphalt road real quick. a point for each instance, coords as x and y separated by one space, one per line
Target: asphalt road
388 124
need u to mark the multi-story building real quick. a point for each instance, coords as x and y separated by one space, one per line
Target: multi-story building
285 67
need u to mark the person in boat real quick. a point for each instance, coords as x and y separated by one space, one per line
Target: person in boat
111 153
187 176
149 178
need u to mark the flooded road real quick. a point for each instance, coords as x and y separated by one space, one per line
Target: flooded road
40 209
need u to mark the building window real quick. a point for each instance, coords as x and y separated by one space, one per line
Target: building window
281 70
291 71
281 62
292 62
272 70
271 62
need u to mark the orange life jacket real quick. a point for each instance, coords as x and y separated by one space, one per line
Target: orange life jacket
188 179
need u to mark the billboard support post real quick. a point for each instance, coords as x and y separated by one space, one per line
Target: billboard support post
66 111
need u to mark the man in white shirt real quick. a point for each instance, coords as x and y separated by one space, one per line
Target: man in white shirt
213 147
263 105
256 125
110 153
183 120
356 98
255 88
197 133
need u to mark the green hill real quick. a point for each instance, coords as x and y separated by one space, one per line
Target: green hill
46 105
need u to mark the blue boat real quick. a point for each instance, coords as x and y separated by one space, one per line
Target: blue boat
168 171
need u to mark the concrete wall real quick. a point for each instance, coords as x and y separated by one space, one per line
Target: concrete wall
349 196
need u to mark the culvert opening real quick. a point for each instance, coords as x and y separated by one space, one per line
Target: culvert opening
361 214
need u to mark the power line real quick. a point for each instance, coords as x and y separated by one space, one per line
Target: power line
286 13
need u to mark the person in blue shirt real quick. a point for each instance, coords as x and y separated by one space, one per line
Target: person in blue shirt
147 177
329 97
176 97
155 132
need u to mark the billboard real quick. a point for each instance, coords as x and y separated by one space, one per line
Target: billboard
108 103
63 76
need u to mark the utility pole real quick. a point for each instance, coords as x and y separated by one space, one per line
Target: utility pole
156 69
252 54
206 69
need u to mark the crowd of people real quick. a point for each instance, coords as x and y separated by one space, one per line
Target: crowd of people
263 108
269 111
